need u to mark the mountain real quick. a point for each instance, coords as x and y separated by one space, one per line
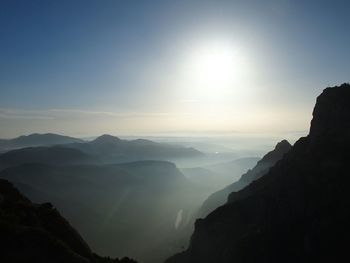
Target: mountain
49 155
104 149
216 176
118 208
297 212
262 167
111 149
208 179
36 139
36 233
234 166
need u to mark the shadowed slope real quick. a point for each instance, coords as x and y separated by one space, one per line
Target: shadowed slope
38 233
299 211
118 208
220 197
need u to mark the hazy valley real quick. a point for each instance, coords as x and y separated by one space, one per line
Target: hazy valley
202 131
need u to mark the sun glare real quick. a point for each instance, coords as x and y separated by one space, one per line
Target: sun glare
215 69
214 66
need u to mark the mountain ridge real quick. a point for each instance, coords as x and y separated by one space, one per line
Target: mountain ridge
36 139
108 203
263 165
299 211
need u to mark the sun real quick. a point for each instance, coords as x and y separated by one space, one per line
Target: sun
216 68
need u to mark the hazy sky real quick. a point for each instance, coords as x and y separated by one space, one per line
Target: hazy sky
139 67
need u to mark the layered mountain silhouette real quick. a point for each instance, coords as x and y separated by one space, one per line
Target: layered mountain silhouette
111 149
262 167
299 211
109 201
106 149
50 155
36 233
36 139
220 197
127 209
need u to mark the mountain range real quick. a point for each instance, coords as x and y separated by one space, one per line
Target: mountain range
111 149
36 139
126 198
123 204
54 155
299 211
104 149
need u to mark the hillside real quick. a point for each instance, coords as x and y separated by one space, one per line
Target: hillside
299 211
38 233
118 207
262 167
214 177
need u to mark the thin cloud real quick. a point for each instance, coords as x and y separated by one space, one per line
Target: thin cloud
24 114
50 114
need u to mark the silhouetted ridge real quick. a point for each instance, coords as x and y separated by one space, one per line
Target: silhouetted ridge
220 197
106 138
36 139
281 148
111 149
121 209
331 115
38 233
297 212
48 155
269 160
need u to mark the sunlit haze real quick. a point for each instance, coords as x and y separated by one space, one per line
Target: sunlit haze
160 67
174 131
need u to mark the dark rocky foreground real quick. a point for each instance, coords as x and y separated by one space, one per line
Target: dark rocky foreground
299 211
34 233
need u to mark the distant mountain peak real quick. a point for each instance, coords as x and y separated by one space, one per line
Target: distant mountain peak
144 141
106 138
284 144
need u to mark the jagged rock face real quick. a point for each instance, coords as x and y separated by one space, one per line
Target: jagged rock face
298 212
331 115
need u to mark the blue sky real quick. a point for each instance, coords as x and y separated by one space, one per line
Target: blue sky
91 67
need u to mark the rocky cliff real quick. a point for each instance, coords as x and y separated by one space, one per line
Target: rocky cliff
299 211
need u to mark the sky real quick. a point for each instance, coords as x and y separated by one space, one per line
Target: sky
129 67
